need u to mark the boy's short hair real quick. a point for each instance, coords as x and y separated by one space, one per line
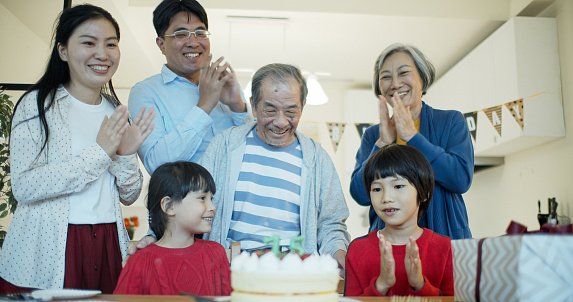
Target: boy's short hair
174 180
168 8
407 162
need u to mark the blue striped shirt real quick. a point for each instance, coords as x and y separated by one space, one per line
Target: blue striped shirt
267 197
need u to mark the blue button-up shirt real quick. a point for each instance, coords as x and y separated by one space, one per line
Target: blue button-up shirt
182 130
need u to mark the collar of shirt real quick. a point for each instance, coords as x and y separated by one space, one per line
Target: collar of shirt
169 76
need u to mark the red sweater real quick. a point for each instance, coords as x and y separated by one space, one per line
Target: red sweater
363 267
201 269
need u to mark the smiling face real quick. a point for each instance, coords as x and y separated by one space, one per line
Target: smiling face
399 74
194 214
395 201
278 112
185 57
92 54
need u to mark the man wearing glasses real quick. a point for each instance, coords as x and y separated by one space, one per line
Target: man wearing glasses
194 98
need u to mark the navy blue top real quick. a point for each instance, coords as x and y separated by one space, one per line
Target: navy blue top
445 140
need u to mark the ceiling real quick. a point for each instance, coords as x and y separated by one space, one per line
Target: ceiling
337 39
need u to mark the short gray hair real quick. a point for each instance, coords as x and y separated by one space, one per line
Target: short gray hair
277 73
425 67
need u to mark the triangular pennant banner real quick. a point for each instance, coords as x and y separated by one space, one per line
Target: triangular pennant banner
471 119
335 130
516 109
494 116
361 127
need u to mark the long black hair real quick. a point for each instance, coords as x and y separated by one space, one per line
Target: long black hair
174 180
57 71
406 161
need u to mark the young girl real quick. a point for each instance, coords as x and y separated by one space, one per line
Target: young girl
402 258
180 205
73 161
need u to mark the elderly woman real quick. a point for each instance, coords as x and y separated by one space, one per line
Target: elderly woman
402 74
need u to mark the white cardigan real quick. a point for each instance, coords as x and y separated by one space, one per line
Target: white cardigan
33 254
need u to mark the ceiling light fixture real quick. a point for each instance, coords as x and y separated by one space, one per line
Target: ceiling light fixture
316 95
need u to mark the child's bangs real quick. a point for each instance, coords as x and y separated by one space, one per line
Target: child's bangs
392 167
203 184
201 181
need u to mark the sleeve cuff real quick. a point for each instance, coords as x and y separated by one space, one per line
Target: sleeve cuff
198 120
375 291
426 290
96 158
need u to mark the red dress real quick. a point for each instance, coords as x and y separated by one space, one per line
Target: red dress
363 267
201 269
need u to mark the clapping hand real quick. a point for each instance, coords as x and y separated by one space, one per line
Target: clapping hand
400 125
387 277
387 127
112 130
413 265
402 118
212 79
231 94
137 132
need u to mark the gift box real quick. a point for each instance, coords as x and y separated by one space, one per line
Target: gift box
531 267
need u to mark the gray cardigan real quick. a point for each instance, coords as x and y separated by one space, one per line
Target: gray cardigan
323 209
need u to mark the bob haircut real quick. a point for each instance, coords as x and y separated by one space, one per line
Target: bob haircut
425 67
407 162
168 8
277 73
174 180
57 72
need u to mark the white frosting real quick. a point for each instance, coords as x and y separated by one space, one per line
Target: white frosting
291 264
328 264
312 264
268 263
238 262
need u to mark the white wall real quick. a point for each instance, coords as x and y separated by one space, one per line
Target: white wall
510 192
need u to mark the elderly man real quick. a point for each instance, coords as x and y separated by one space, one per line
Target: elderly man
271 179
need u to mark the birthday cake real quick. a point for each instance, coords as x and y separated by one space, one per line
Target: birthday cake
269 278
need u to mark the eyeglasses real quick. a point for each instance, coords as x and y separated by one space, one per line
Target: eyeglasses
185 34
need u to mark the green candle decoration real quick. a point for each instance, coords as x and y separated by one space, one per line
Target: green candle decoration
274 240
296 245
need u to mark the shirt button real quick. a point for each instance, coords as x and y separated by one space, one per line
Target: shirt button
94 235
95 267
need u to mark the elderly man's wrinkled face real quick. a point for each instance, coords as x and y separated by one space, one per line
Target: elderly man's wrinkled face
278 112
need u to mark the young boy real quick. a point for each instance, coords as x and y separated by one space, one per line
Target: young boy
402 258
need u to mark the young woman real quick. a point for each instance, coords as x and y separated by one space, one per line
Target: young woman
73 161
